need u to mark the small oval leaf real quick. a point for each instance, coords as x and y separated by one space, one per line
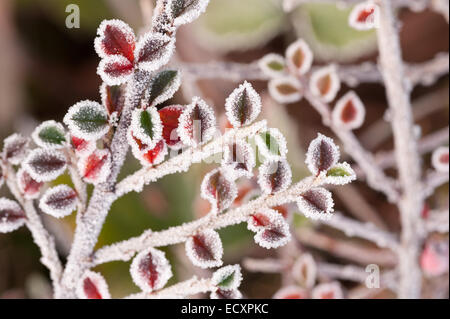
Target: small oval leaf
285 90
349 112
170 116
12 216
316 203
95 167
27 185
15 148
274 176
227 278
325 83
322 155
272 65
115 37
205 249
299 57
44 165
92 285
162 87
272 144
219 189
146 126
243 105
59 201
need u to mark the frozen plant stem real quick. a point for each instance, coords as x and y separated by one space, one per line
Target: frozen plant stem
407 156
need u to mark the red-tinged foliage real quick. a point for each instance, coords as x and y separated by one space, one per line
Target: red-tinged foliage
170 119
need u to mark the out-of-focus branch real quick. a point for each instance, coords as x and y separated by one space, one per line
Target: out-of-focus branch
437 221
434 180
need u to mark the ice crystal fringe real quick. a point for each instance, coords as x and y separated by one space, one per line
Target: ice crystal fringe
15 148
322 154
162 87
92 285
115 69
316 203
274 176
45 165
274 235
82 147
364 16
146 126
285 89
299 57
186 11
30 188
59 201
227 278
440 159
324 83
349 112
95 167
273 65
115 37
150 270
50 134
263 217
205 249
340 174
12 216
243 105
153 51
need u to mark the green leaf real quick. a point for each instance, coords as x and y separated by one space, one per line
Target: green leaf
90 118
276 66
338 172
52 135
227 280
147 123
271 143
161 84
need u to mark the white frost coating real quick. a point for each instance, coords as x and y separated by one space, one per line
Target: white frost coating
162 50
6 225
304 271
189 128
148 264
322 154
115 69
139 151
47 124
27 186
285 89
15 148
192 13
226 294
205 249
291 292
95 167
140 132
316 203
346 118
439 159
341 180
59 201
262 218
44 165
95 279
361 20
330 290
122 26
82 147
274 235
274 176
251 104
168 92
86 133
239 159
280 147
264 62
223 273
299 57
224 188
328 73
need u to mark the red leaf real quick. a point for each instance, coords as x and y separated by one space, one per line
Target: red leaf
95 167
205 249
153 156
113 97
28 186
150 270
92 286
115 37
218 189
170 119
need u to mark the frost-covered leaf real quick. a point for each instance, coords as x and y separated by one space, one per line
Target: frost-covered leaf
285 90
274 176
146 126
274 235
162 87
349 112
226 294
262 218
239 159
12 216
81 146
153 51
243 105
59 201
272 144
113 97
434 258
330 290
115 37
95 167
150 270
228 277
186 11
15 148
144 154
439 159
340 174
50 134
325 83
322 154
272 65
27 185
219 189
316 203
92 285
197 123
87 120
299 57
169 116
291 292
205 249
115 69
304 271
364 16
44 165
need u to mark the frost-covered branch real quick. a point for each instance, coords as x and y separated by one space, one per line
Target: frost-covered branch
437 221
433 180
407 156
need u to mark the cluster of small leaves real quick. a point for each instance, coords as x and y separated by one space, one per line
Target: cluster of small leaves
304 271
289 72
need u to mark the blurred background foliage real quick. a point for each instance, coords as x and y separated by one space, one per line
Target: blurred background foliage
46 68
